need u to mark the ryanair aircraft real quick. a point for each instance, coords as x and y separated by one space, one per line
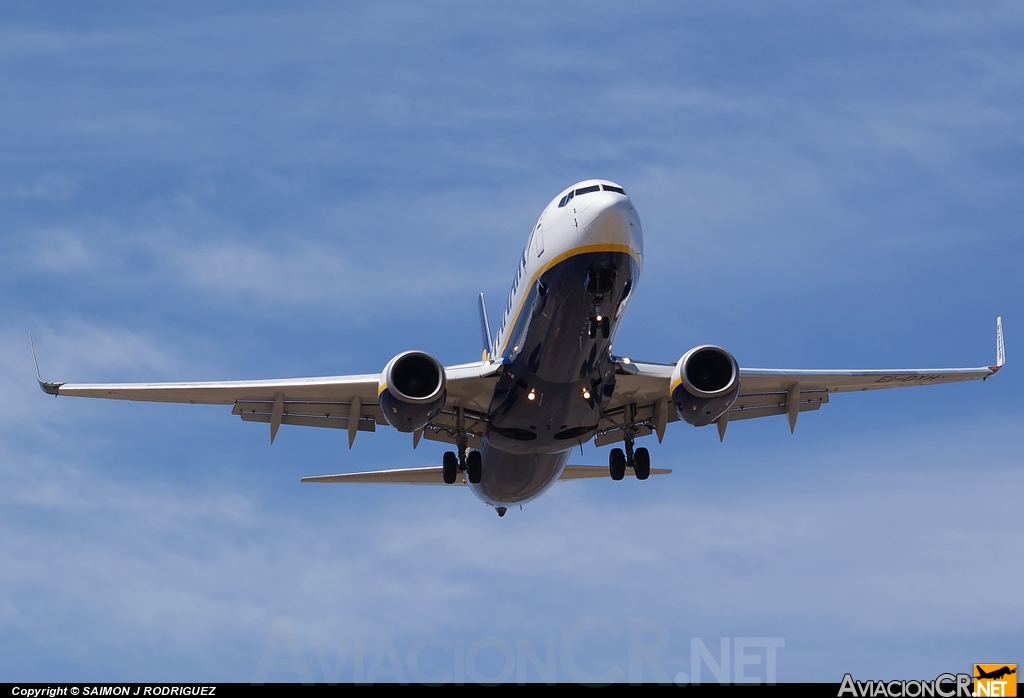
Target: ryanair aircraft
547 380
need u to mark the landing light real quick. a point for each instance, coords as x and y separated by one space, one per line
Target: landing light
586 394
598 318
531 396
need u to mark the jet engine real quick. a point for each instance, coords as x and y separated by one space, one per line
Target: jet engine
705 383
411 390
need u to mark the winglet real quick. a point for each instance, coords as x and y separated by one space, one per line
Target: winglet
485 331
48 388
1000 349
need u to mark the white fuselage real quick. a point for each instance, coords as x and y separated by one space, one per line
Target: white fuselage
582 260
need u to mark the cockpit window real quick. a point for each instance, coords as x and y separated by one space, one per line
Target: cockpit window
587 190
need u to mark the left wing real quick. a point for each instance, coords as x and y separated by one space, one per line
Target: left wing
644 390
338 402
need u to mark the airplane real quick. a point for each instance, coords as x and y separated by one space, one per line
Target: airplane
547 380
996 674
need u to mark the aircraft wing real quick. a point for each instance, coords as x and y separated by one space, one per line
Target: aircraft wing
764 391
339 402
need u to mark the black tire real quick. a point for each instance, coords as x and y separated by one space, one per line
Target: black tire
592 328
474 467
642 464
606 327
449 467
617 464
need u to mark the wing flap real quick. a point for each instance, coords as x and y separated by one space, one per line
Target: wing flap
766 380
770 405
309 421
444 436
616 434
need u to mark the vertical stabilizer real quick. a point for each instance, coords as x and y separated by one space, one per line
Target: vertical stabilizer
1000 349
485 332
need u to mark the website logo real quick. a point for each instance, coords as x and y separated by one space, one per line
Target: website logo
995 680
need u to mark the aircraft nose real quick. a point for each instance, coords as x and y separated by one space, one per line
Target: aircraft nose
610 219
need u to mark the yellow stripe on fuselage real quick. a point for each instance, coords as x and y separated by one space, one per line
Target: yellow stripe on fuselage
583 249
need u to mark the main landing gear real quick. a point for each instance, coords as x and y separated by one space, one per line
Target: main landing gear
464 460
472 465
639 460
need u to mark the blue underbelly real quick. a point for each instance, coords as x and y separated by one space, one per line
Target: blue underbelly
556 377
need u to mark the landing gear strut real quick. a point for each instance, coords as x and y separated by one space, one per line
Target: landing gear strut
639 460
463 459
600 282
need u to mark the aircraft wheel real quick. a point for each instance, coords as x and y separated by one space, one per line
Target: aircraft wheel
617 464
642 464
449 467
474 467
606 327
592 328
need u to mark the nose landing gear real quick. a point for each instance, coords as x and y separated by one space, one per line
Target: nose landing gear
599 283
598 323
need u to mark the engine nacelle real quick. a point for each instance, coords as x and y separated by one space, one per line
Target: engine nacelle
411 390
705 383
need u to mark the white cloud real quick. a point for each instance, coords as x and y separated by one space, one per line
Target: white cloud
51 186
201 571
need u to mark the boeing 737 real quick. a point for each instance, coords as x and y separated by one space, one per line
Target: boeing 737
548 379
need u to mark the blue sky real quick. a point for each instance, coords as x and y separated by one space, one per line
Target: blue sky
245 191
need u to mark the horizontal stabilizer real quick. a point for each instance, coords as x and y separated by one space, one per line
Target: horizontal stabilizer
398 476
432 475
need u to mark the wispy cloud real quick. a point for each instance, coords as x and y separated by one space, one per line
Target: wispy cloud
153 562
227 192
